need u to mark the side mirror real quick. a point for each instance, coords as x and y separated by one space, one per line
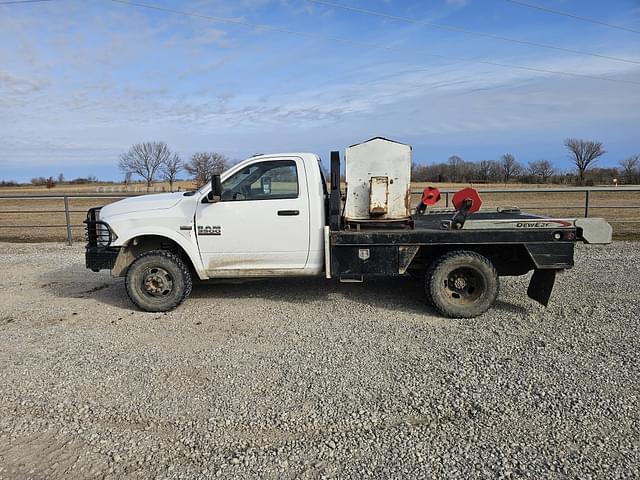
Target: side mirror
216 189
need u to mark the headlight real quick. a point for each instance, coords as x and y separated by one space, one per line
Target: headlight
103 234
98 231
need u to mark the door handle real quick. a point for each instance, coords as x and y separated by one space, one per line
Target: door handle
288 213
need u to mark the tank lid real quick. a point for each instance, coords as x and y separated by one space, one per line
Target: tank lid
379 138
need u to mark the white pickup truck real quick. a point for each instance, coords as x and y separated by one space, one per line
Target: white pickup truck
272 216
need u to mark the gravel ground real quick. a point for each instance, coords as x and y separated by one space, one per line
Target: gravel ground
313 379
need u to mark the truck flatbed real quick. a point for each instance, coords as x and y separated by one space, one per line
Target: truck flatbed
536 242
433 228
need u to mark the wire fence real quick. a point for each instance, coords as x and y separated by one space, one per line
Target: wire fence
586 192
29 217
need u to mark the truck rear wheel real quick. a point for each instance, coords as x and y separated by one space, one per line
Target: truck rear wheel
462 284
158 281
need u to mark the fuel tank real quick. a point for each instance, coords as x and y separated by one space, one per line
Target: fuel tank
378 177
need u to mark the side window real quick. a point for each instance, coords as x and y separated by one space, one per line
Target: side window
268 180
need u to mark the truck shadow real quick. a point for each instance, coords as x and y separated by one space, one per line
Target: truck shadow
395 293
503 306
76 282
399 293
403 294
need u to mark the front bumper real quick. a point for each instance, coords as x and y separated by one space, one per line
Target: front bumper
100 258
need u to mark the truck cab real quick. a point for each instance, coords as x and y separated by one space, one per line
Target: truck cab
268 221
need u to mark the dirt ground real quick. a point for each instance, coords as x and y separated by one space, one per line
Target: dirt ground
312 379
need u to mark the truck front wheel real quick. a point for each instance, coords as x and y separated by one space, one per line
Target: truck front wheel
158 281
462 284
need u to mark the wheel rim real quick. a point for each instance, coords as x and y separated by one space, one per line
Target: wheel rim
157 282
464 285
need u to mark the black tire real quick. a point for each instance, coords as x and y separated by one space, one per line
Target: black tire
462 284
427 275
158 281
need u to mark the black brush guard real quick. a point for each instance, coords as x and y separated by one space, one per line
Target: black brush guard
99 255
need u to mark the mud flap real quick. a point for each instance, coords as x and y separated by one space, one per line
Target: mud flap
541 286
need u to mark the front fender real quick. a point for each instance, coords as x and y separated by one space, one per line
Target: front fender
187 242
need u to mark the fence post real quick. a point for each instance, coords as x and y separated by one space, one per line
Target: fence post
446 199
68 220
586 204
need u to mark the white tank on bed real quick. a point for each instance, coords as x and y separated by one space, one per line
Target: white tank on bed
378 176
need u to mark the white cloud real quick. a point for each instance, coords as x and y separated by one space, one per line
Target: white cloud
16 85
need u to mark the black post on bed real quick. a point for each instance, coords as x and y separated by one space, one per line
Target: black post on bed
334 198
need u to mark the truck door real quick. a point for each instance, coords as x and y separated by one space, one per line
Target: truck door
261 224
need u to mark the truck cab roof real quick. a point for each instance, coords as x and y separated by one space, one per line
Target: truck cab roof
281 154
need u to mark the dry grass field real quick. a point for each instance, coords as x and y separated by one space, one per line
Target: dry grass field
19 217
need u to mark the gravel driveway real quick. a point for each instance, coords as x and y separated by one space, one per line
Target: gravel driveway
313 379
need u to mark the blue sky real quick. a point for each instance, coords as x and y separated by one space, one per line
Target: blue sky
80 81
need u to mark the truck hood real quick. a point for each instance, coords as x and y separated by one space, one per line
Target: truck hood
160 201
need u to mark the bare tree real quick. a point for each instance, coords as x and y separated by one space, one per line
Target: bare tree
170 169
583 154
61 178
455 162
487 170
484 170
145 160
541 168
630 168
204 164
510 167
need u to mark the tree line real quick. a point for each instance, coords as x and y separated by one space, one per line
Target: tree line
154 161
51 182
583 154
